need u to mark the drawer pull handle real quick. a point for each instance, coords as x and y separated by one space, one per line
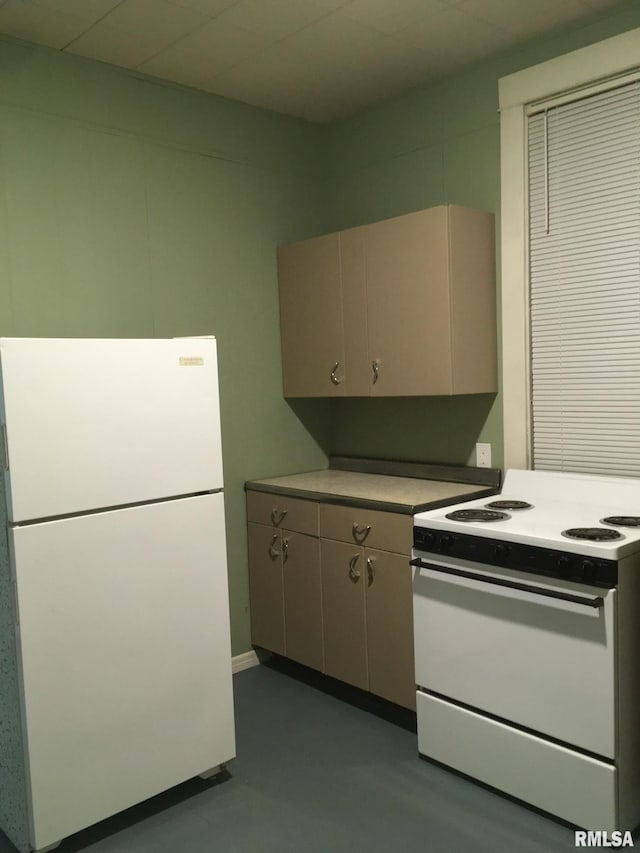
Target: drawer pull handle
273 551
375 366
360 532
334 376
354 573
277 516
285 549
370 566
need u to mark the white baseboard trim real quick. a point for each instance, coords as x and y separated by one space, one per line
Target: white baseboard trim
244 661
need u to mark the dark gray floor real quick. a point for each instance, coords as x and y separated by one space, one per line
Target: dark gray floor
318 774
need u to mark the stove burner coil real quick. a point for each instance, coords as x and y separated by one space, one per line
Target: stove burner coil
594 534
622 520
509 505
476 515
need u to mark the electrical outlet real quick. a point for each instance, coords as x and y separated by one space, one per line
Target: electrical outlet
483 455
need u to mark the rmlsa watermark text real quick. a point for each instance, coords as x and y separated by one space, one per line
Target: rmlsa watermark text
599 838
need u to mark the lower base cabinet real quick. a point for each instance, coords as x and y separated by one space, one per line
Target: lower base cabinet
343 608
266 587
302 599
343 613
284 584
368 620
390 627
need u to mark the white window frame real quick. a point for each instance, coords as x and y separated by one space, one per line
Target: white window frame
580 69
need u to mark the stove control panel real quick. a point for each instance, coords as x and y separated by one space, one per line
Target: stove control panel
514 555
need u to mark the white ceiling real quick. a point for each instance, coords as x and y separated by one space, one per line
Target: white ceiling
316 59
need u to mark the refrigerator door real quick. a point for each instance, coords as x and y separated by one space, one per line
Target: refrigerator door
123 640
104 423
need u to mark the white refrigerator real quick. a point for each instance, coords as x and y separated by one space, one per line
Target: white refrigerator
115 658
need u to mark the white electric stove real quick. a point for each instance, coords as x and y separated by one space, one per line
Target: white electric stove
527 638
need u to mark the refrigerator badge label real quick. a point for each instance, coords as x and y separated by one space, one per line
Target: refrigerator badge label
191 361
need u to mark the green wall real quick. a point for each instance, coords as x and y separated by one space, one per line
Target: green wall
439 144
133 208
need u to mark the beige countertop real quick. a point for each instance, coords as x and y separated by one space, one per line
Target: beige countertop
407 495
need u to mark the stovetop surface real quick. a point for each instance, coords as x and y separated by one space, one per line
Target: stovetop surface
560 501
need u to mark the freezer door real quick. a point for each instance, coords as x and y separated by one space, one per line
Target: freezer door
125 657
104 423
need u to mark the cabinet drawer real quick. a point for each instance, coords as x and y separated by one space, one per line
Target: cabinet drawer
282 511
388 531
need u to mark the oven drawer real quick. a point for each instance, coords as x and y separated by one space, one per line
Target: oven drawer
522 655
565 783
386 531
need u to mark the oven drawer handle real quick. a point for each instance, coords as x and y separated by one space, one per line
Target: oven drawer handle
596 602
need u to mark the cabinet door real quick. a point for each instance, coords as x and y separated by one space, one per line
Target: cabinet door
408 303
343 608
266 588
473 301
302 599
311 318
354 309
390 627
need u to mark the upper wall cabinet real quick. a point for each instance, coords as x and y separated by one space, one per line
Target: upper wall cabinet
401 307
323 316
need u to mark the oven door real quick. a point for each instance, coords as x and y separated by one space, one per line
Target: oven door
535 652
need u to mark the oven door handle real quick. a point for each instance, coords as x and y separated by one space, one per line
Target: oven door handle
596 602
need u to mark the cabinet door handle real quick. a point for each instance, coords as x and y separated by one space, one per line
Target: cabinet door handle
370 566
360 532
277 516
285 549
375 366
354 573
334 377
273 551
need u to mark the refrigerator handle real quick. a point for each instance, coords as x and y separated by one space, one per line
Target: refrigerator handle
16 609
5 447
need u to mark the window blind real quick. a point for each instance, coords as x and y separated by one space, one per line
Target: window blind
584 259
